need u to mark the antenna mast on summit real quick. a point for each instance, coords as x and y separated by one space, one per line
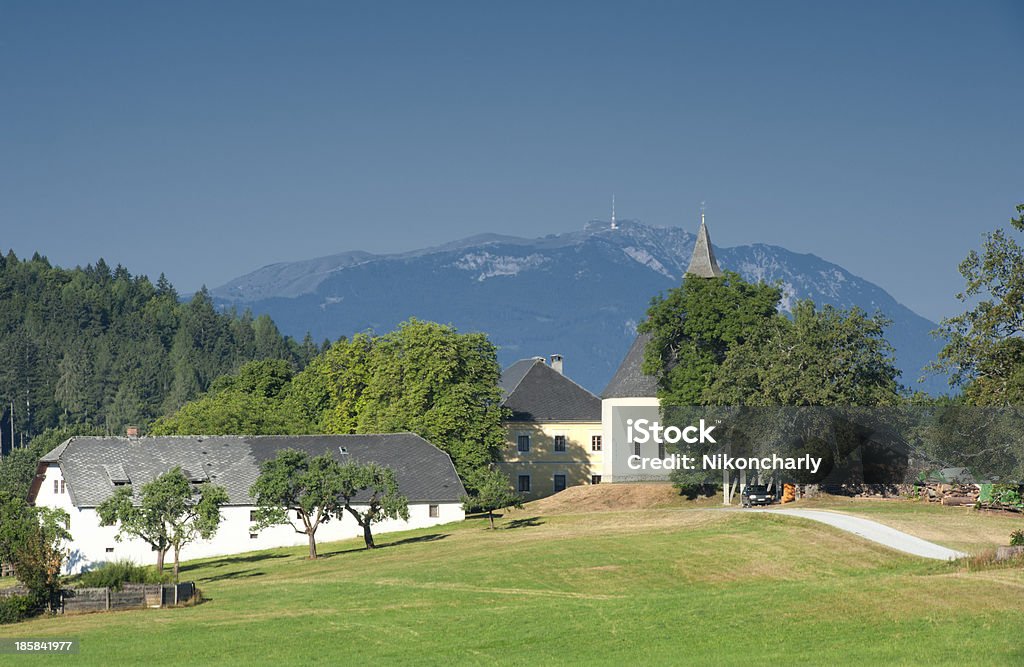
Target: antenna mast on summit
702 213
614 226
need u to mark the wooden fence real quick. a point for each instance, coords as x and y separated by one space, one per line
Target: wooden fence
131 596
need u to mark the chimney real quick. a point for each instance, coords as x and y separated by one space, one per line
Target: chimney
556 362
131 431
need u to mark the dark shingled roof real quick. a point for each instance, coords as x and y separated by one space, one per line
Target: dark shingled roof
536 392
630 381
424 472
513 375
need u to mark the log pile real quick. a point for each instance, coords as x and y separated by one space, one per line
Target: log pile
951 495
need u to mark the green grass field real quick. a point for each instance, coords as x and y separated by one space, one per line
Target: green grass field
665 586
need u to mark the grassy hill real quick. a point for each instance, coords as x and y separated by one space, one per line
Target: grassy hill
661 586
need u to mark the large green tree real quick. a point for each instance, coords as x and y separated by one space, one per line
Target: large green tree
816 359
984 351
722 342
429 379
822 357
170 513
693 326
327 393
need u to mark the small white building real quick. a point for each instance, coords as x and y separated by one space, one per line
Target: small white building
82 472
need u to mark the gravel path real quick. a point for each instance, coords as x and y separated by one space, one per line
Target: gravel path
876 532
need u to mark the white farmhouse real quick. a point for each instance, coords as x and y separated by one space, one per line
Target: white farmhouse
82 472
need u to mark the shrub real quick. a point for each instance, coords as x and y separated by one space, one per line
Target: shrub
1017 538
1007 494
116 574
16 608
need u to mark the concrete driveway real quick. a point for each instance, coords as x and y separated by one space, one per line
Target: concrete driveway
876 532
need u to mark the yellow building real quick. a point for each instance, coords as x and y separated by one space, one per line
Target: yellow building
554 435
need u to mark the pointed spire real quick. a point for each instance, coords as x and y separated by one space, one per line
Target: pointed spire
703 263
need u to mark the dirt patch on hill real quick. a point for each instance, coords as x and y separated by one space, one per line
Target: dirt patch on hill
613 498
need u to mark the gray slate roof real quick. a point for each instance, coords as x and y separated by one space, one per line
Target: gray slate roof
629 380
514 374
424 472
536 392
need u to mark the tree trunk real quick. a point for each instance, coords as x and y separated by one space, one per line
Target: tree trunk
490 515
368 536
312 545
160 561
177 562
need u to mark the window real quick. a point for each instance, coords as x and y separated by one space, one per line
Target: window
661 450
56 486
559 483
559 443
523 443
252 515
253 536
524 484
636 449
595 479
595 443
110 550
435 511
62 486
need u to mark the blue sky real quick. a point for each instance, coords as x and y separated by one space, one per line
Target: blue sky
207 139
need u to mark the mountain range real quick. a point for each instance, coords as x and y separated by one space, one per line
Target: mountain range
579 294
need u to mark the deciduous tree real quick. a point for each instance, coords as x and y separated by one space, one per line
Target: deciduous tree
824 357
370 493
33 540
431 380
984 351
492 491
293 484
694 325
170 513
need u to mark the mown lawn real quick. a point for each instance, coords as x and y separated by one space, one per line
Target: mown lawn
641 587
